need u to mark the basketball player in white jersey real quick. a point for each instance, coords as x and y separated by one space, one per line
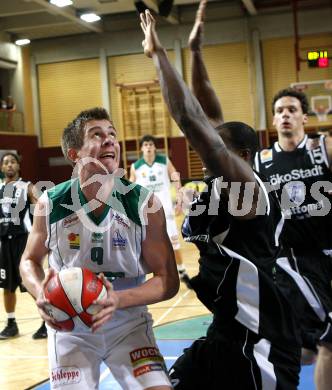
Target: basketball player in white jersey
156 172
101 221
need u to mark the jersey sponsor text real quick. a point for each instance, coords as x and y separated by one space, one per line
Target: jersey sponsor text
296 174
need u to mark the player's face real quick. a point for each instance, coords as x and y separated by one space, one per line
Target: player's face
288 116
10 167
148 149
101 143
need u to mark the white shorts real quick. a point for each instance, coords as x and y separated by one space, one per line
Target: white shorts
172 231
130 351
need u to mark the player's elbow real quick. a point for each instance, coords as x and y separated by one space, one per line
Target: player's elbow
22 267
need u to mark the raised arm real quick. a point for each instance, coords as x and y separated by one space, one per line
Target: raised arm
188 113
200 81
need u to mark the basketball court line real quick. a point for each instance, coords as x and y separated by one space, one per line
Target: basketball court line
172 338
168 311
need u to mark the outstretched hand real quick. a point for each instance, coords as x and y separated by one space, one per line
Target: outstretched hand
196 35
151 42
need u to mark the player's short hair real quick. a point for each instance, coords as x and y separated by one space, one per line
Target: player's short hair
15 155
241 137
148 138
73 134
293 93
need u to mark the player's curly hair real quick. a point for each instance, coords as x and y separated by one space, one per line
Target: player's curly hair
73 134
293 93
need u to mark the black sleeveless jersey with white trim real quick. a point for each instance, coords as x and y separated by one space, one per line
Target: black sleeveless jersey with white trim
296 176
236 279
14 208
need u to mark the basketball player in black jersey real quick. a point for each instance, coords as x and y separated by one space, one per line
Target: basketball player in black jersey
299 169
253 342
16 197
294 166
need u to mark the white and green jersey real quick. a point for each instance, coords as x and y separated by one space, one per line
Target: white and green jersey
155 178
110 243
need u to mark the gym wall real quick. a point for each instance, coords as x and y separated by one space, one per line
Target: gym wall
228 67
279 66
65 89
129 69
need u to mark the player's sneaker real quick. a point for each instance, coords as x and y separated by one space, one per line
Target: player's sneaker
10 330
40 333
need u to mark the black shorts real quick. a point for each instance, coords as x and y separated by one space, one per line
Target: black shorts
306 282
240 361
11 250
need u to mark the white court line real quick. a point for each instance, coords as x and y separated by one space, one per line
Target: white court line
181 298
171 308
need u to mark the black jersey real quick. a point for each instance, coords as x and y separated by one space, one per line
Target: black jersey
237 265
14 208
296 176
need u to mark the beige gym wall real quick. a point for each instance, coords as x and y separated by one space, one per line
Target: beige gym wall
279 66
129 69
65 89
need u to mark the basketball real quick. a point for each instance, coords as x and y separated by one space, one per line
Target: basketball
71 293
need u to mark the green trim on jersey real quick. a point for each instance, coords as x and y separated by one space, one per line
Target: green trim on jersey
133 200
126 198
61 195
160 158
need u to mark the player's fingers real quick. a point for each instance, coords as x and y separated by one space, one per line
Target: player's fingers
97 325
47 318
143 24
143 21
52 324
152 17
98 321
201 11
148 16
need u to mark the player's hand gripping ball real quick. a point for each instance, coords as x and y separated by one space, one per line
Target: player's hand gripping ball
71 293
